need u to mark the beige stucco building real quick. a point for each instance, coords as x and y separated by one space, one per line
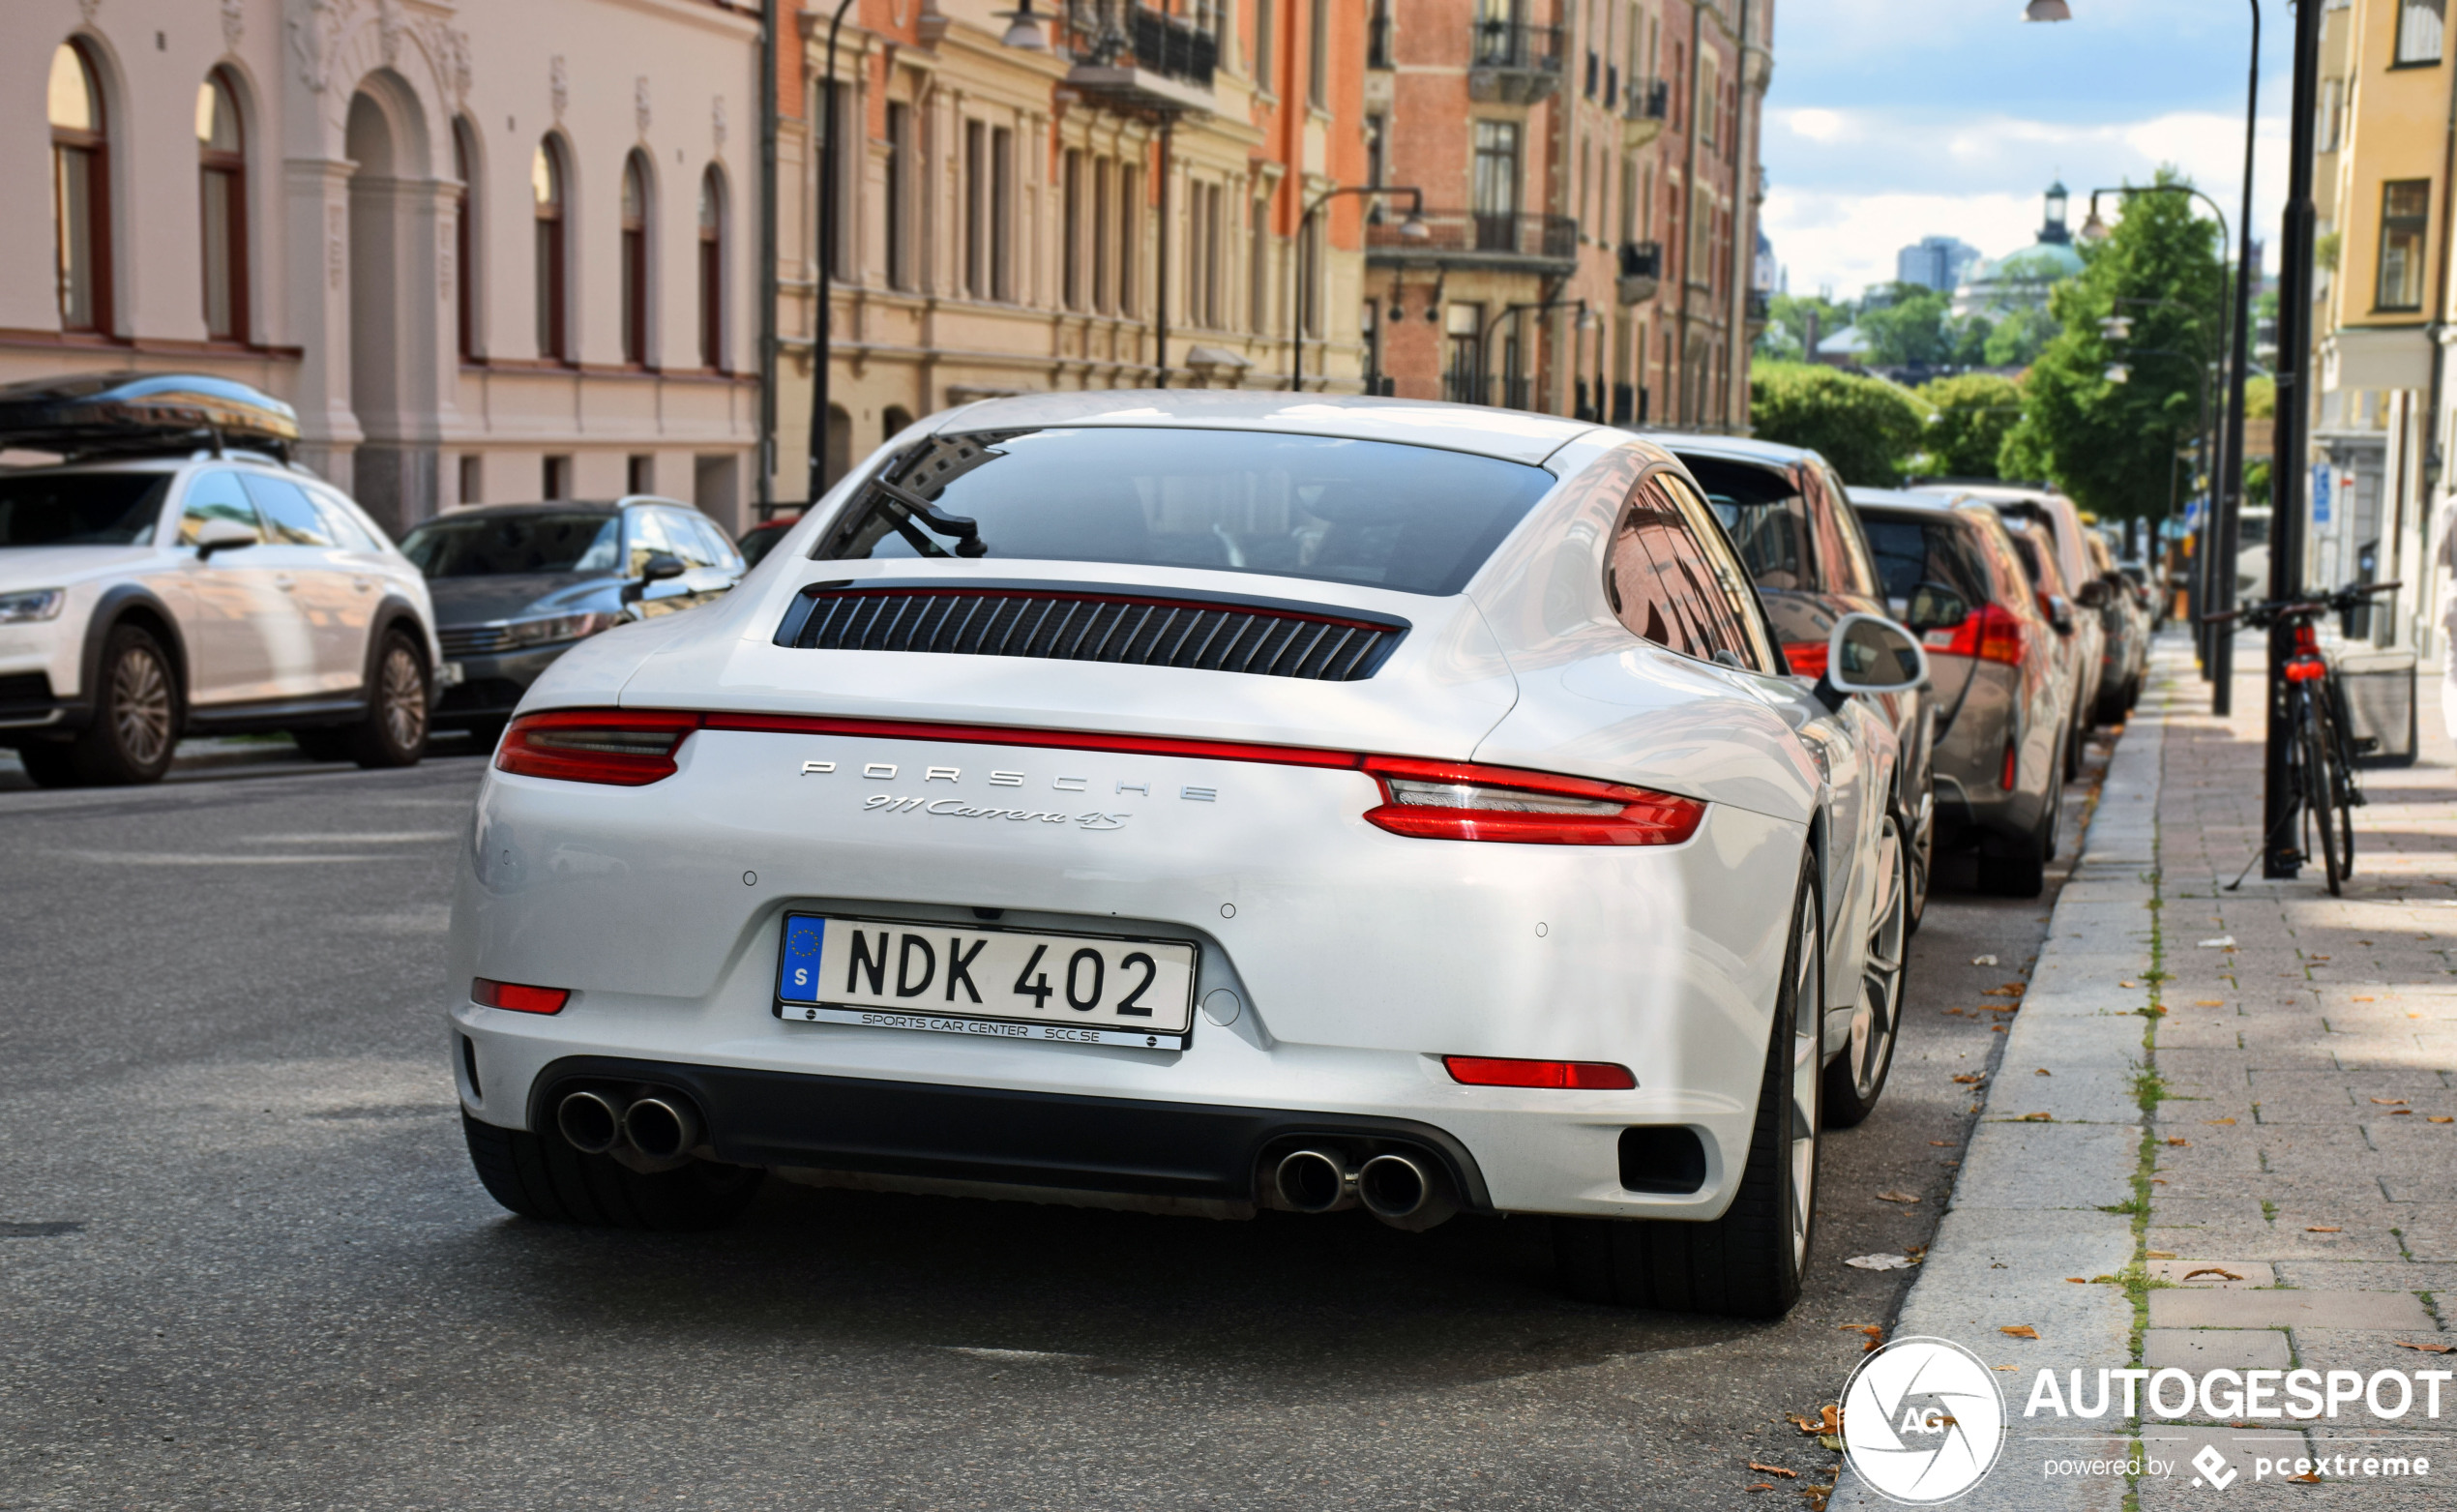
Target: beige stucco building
490 251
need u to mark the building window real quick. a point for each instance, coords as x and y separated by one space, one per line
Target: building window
1130 231
1377 35
1262 12
546 198
1071 228
1495 186
1463 378
464 293
976 209
1710 93
900 196
2419 24
555 481
1259 267
80 190
639 473
635 261
712 270
2404 208
1701 233
221 183
1318 63
1002 202
1103 173
472 478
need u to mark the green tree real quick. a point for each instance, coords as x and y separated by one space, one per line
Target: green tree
1785 335
1862 425
1969 418
2109 443
1906 325
2018 338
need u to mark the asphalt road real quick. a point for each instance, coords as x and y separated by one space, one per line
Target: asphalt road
244 1263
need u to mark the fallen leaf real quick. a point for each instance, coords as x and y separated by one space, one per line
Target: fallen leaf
2360 999
1775 1469
2042 1072
1996 1028
2441 1117
1946 1145
2158 1181
1983 961
1829 1419
2161 1254
1972 1079
1875 1335
1878 1262
2389 1102
2005 1367
2217 1120
2156 1010
2401 1112
1763 1485
2038 1118
2019 1330
2222 942
2009 989
2318 1230
2079 1281
2316 957
2209 1003
2309 1480
1896 1196
2180 1142
1957 1013
2128 984
2212 1270
2429 1348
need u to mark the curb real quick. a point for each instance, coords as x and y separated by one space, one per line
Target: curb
2027 1213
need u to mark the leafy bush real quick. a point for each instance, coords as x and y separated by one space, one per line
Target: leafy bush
1862 425
1969 419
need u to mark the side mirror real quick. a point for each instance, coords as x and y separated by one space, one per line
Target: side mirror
660 566
1934 606
221 535
1870 654
2092 595
2060 611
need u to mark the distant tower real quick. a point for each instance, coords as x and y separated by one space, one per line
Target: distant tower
2053 232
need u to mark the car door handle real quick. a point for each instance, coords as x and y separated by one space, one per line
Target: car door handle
363 584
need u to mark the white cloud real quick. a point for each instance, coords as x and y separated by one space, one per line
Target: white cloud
1818 126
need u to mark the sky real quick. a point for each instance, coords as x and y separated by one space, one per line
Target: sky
1890 120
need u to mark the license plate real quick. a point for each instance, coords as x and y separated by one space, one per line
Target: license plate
451 675
1007 984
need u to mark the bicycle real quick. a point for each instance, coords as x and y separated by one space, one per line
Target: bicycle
2320 748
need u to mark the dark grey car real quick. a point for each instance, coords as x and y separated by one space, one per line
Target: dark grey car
1952 573
517 585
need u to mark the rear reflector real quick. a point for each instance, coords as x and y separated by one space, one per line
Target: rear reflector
1458 800
628 748
489 994
1579 1076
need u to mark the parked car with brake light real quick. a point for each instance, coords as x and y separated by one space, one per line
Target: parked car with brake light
175 574
517 585
761 539
1197 803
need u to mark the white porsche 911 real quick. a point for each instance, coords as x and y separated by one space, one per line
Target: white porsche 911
1201 802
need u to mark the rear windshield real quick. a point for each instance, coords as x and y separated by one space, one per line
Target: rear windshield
495 545
1409 517
1913 552
80 508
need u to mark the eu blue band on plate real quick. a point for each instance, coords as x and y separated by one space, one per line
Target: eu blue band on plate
798 969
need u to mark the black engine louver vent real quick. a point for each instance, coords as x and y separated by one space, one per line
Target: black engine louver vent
1077 625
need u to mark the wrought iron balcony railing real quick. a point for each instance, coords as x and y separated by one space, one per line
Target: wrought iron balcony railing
1476 235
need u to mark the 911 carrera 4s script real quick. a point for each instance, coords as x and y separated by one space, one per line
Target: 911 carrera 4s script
898 974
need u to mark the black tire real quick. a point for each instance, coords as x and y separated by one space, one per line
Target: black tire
394 732
326 742
1923 859
49 765
1855 1078
1747 1264
2321 812
136 714
2017 866
541 1176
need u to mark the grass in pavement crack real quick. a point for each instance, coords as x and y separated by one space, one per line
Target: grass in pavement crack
2149 1089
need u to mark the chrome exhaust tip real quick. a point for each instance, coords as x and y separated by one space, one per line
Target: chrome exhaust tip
662 1127
1315 1181
1403 1191
590 1121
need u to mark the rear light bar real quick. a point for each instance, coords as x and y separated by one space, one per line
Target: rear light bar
1578 1075
1458 800
1992 632
1428 800
486 993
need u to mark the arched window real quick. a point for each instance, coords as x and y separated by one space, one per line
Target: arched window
635 260
712 271
80 190
222 191
464 293
546 193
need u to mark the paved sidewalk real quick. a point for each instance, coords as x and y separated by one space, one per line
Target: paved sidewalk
2235 1164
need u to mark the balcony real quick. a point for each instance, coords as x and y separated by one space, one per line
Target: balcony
1508 243
1642 269
1761 305
1129 57
1512 62
1644 111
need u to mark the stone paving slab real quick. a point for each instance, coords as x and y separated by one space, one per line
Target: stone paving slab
2198 1350
2197 1309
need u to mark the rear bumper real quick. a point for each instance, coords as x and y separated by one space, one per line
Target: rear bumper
1187 1151
491 686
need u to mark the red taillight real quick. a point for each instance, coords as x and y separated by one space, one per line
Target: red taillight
1807 657
2013 756
1579 1075
626 747
1459 800
2307 640
2304 668
489 994
1992 632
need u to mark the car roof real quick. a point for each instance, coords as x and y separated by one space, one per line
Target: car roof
1900 498
1510 434
607 507
1731 448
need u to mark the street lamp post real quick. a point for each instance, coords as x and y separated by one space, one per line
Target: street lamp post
1301 292
816 484
1484 340
2288 470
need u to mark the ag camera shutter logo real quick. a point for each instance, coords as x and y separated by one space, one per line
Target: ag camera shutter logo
1922 1421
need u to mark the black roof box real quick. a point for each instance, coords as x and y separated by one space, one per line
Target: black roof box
104 412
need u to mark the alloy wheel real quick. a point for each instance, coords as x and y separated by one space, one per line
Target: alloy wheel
1878 1016
402 695
141 706
1807 1027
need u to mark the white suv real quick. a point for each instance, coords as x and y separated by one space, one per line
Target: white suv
217 591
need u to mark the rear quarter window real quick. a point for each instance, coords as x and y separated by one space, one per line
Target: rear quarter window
1910 551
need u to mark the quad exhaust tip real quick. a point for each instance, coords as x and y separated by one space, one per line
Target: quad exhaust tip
590 1121
1315 1181
1394 1186
661 1128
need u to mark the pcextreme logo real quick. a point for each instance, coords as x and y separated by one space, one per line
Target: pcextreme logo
1922 1421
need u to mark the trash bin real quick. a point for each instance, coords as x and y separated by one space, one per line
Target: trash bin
2379 706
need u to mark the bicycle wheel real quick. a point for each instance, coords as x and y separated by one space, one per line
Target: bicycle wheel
2344 791
2317 788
